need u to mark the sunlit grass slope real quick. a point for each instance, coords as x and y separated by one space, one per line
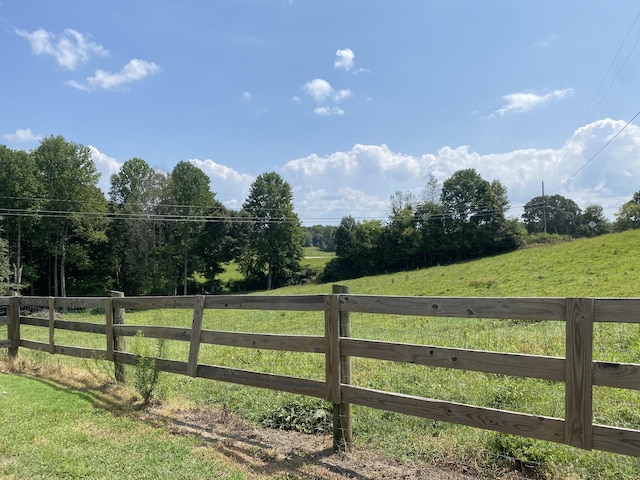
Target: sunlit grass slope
605 266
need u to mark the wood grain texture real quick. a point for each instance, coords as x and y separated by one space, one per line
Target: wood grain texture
35 321
617 440
463 307
265 341
81 327
4 301
617 375
619 310
196 330
544 428
578 380
548 368
301 386
151 302
152 331
81 302
162 364
332 348
108 309
34 301
301 303
52 324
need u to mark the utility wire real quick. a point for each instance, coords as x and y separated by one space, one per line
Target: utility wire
597 153
604 77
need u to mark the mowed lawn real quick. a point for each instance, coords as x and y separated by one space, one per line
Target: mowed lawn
49 432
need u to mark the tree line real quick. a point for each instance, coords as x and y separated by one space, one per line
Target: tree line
155 232
166 233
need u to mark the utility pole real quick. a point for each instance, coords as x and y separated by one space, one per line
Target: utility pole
544 209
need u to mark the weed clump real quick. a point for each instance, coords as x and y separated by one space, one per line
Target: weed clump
147 377
306 416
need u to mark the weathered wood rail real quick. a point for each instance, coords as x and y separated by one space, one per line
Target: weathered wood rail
576 369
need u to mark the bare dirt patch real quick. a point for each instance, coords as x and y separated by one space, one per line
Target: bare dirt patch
286 454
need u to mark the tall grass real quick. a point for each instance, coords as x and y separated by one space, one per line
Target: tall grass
607 266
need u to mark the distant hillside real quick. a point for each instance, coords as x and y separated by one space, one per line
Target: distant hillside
604 266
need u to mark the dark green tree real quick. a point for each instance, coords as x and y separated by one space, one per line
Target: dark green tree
135 235
593 222
628 216
274 241
402 238
74 205
20 200
561 214
189 200
474 212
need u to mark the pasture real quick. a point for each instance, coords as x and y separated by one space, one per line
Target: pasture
606 266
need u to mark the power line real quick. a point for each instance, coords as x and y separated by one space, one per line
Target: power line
608 70
597 153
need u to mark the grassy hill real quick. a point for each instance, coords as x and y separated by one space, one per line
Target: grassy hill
605 266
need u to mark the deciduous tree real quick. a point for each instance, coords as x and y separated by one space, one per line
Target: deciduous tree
274 241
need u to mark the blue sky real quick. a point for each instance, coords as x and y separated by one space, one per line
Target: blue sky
348 100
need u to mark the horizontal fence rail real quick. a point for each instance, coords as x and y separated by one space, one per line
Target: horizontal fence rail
577 369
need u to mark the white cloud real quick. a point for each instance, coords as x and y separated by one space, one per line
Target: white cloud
106 165
358 182
22 135
70 49
328 111
344 59
246 95
133 71
230 186
321 90
523 102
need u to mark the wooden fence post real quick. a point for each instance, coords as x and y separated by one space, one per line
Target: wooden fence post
342 418
119 343
52 324
13 330
196 331
579 373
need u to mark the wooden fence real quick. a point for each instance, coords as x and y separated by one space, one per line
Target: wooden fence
577 369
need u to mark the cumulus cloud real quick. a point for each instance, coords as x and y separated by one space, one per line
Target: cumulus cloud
70 49
344 59
133 71
22 135
359 181
369 174
523 102
230 186
321 90
106 165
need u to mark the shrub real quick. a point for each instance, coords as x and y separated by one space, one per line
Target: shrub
147 377
306 416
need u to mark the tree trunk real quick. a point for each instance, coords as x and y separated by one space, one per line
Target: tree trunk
55 274
184 290
18 249
269 277
63 276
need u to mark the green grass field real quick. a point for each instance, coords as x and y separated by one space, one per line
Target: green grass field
53 433
607 266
